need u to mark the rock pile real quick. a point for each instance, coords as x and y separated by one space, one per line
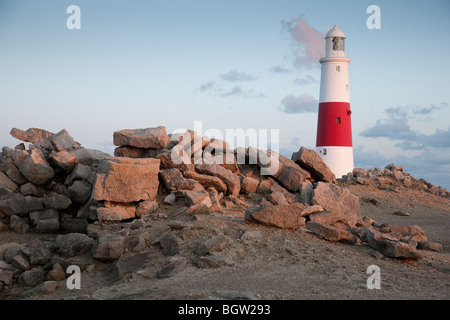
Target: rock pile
391 178
96 201
43 188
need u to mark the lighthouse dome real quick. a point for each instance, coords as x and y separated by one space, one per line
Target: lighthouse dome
335 32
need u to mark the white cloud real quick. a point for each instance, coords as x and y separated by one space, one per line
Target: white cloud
309 42
301 104
237 76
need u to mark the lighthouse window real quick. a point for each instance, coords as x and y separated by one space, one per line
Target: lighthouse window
338 44
338 120
338 68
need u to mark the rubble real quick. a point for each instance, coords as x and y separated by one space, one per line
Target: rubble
99 208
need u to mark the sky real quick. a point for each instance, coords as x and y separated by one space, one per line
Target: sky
231 65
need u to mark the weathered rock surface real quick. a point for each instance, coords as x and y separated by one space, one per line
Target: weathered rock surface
280 216
289 174
34 166
229 178
108 247
113 211
334 198
207 180
7 183
113 183
36 136
173 180
389 245
312 162
63 141
154 138
73 244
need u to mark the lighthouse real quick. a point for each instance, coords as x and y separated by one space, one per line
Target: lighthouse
334 130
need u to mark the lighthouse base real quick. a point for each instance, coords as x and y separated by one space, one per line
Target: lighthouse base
338 159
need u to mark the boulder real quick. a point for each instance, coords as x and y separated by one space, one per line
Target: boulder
146 207
108 247
36 136
197 197
129 264
280 216
80 191
213 243
286 171
19 224
57 201
89 157
47 226
30 189
249 184
17 204
330 233
127 180
334 198
6 277
63 159
45 214
21 263
9 168
312 162
35 252
410 233
173 180
206 180
57 273
73 244
131 152
209 261
9 250
229 178
430 246
32 278
277 198
113 211
7 183
388 245
3 226
34 166
63 141
154 138
80 172
328 217
74 225
169 244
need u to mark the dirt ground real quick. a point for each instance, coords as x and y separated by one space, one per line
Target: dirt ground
269 263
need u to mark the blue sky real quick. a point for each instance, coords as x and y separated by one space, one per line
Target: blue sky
230 64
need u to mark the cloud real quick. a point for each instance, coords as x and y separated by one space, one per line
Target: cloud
309 42
206 86
279 69
301 104
237 76
396 128
237 91
428 110
304 81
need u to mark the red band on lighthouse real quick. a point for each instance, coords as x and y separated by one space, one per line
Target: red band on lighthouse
335 126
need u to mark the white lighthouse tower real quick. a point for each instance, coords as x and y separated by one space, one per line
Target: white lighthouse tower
334 130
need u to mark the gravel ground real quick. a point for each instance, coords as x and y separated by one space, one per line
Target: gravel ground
270 263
